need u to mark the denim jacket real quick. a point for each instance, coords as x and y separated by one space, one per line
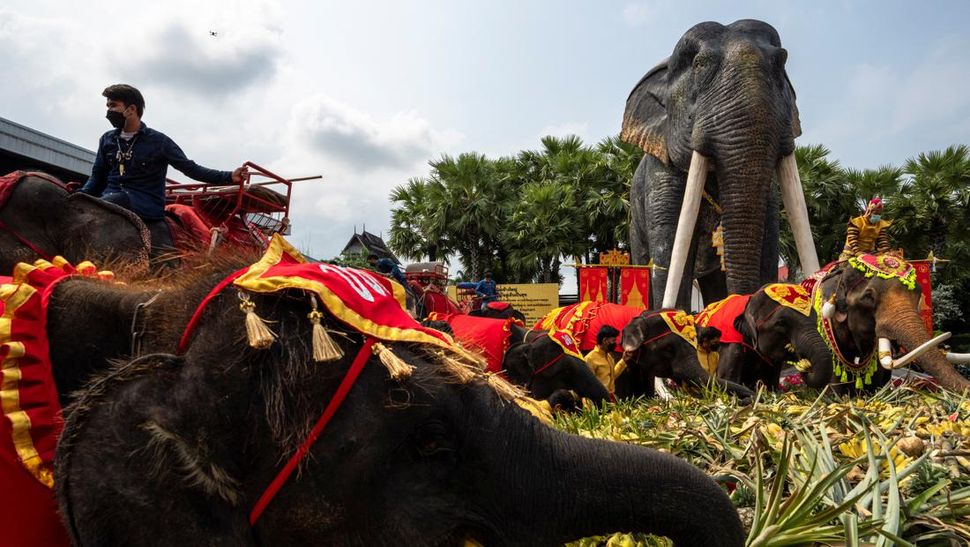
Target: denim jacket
144 174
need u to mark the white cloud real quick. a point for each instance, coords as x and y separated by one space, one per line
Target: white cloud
329 128
361 157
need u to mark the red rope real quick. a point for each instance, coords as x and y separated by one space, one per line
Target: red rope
274 487
190 328
25 241
549 364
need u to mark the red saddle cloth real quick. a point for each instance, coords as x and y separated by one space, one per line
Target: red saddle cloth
485 336
721 315
31 421
191 229
584 320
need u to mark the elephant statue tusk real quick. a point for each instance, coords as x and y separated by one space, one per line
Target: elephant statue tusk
794 200
696 177
920 350
885 353
958 358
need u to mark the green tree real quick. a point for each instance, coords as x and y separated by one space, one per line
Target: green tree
543 229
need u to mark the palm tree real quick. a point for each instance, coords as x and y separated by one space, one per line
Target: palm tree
543 228
417 231
469 207
933 200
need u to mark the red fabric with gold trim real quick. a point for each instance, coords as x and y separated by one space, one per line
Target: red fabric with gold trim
722 314
681 324
30 400
566 342
369 303
791 296
485 336
31 419
592 283
583 320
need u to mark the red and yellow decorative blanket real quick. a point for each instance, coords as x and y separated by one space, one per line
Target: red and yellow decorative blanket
484 336
364 301
31 421
721 315
583 320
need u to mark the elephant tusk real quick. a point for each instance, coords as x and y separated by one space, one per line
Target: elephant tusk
958 358
885 353
920 350
794 199
828 310
696 177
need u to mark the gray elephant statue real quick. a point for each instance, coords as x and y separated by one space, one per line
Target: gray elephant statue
869 314
718 121
765 332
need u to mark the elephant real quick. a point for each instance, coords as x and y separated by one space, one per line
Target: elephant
41 219
432 457
498 310
869 307
653 348
764 332
530 359
718 120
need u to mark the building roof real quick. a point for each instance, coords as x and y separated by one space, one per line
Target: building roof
366 241
40 150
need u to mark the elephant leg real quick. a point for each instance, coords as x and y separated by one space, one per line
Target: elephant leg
659 215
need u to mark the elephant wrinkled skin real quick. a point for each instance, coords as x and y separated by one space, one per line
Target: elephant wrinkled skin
425 460
723 94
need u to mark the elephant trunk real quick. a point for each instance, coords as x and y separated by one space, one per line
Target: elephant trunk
810 345
599 487
900 322
743 174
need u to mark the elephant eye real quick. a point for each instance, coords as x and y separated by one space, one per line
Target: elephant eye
432 439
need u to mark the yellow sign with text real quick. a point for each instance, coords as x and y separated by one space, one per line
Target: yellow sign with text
534 300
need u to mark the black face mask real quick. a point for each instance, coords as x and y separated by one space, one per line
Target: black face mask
117 119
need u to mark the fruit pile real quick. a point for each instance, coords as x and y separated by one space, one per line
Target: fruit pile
892 469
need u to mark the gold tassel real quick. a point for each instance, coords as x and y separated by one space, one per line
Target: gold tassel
464 373
259 334
395 365
324 347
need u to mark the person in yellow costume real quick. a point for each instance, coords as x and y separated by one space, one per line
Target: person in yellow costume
601 361
867 233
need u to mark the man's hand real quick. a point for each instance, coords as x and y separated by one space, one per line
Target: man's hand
239 174
73 186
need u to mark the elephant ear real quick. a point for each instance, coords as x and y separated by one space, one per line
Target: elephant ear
645 117
796 123
744 328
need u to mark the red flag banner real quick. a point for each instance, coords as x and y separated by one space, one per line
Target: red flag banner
592 284
923 268
635 287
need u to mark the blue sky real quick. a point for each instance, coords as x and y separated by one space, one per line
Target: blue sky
366 93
